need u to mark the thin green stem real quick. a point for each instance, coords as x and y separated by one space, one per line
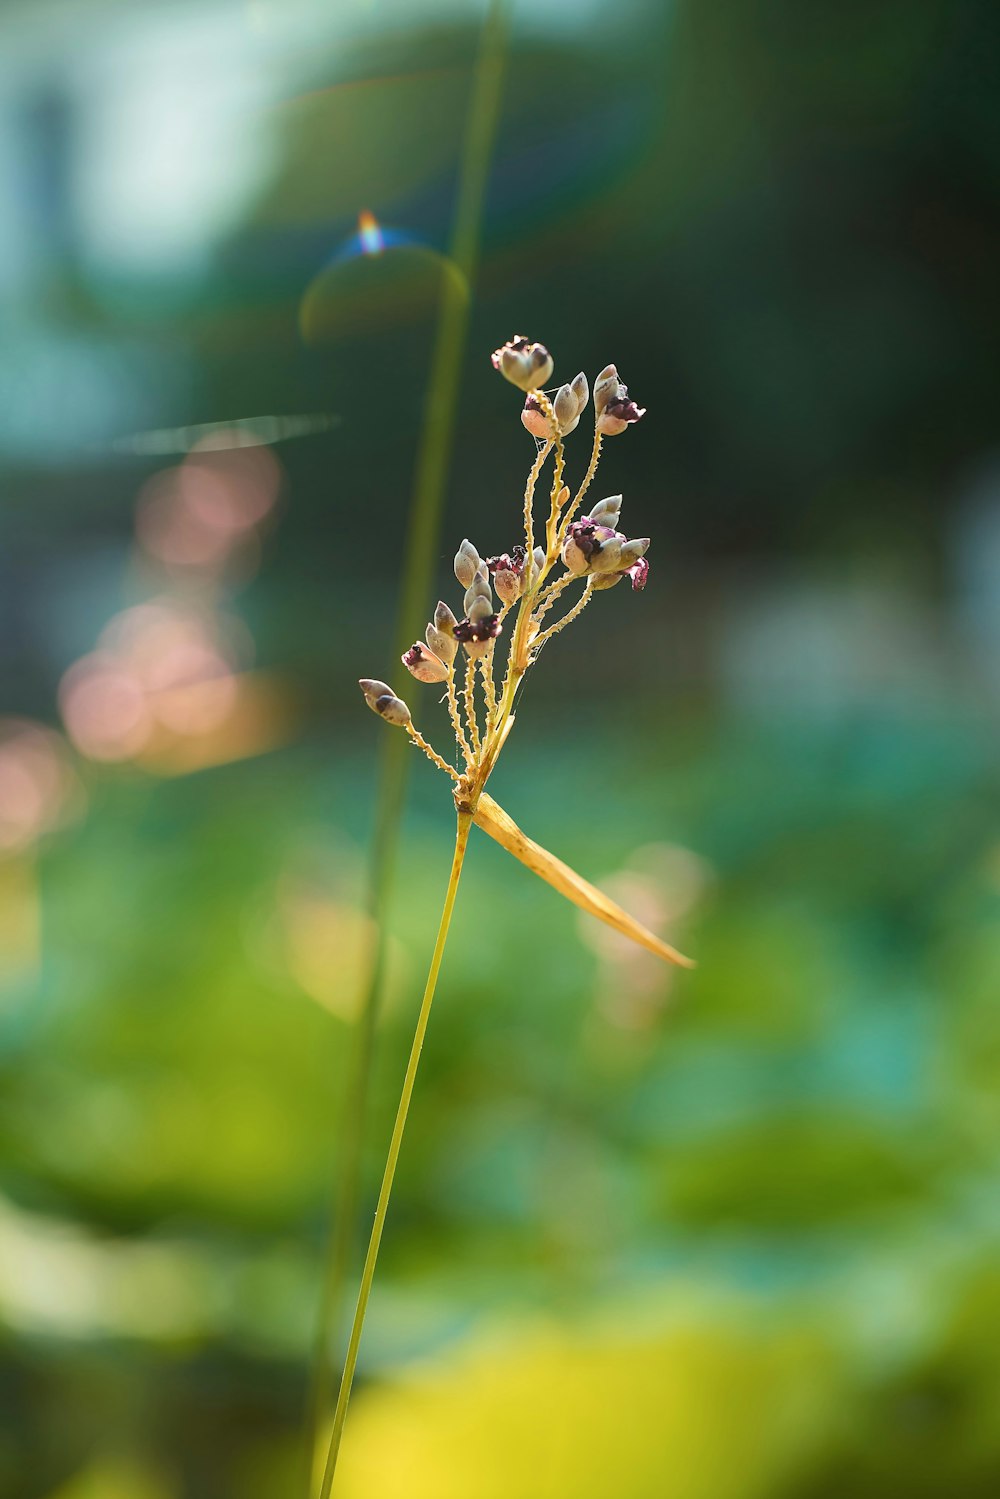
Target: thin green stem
382 1206
425 515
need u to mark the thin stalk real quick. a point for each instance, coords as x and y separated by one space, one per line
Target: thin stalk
567 618
431 752
595 458
469 698
382 1206
425 518
456 719
529 497
551 593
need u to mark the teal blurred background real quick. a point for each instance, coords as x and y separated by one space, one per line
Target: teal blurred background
713 1236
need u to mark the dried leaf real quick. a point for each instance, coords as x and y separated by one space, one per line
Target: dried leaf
495 821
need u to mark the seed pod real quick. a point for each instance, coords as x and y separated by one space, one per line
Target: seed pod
607 512
466 563
423 664
444 646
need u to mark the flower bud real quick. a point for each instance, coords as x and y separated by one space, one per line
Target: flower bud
479 629
615 411
481 608
393 710
445 647
479 588
633 550
382 700
569 403
606 559
507 585
534 419
444 620
566 410
607 512
466 563
619 414
508 571
586 543
605 386
605 580
574 557
423 664
526 365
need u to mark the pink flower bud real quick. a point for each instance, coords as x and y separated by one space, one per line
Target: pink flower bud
423 664
533 418
615 411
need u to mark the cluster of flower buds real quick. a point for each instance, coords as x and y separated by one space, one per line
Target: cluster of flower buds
382 700
594 546
481 623
432 662
568 404
524 364
615 410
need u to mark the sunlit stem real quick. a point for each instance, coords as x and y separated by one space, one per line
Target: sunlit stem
431 752
489 687
456 718
469 698
567 618
588 479
382 1206
529 496
440 415
549 595
556 496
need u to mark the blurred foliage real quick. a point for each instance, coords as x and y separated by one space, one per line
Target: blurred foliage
714 1235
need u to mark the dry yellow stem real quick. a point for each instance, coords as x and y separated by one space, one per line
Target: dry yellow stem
494 820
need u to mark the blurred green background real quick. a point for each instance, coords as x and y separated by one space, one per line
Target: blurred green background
708 1236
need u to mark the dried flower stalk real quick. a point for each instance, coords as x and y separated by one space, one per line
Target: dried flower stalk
593 553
